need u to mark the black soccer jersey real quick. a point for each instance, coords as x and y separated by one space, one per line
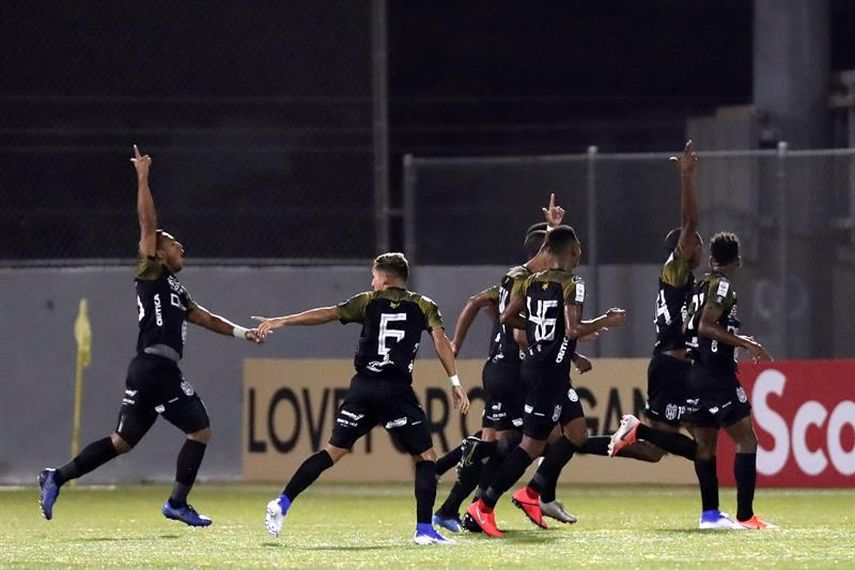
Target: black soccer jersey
547 293
503 347
714 290
675 286
392 325
162 302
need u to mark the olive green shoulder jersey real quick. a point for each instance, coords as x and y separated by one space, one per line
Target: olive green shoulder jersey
392 325
713 290
503 347
162 305
675 286
547 293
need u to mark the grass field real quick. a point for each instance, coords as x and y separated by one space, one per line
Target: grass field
371 526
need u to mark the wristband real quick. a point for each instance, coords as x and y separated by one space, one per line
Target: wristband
455 380
239 332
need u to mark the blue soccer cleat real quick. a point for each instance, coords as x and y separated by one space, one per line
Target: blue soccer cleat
717 520
49 492
185 514
451 524
425 534
275 515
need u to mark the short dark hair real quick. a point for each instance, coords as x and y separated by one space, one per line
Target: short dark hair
724 248
533 242
560 238
393 262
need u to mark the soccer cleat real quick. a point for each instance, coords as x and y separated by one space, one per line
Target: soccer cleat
625 435
49 491
556 510
529 503
425 534
467 453
275 515
717 520
451 524
756 523
186 514
469 524
486 521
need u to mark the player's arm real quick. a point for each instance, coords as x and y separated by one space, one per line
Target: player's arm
199 315
577 328
486 300
512 315
710 328
446 357
319 316
687 163
145 205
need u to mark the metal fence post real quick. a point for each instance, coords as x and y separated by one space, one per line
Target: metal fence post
593 260
410 246
380 120
783 245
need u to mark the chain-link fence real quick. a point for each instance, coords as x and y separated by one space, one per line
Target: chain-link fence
791 210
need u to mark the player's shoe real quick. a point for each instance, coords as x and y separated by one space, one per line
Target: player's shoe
451 524
756 523
469 524
485 521
48 492
425 534
467 453
625 435
275 515
556 510
717 520
186 514
529 503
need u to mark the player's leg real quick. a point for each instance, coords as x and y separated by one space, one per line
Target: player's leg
706 437
745 472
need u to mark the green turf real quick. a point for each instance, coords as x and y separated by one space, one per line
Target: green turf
371 526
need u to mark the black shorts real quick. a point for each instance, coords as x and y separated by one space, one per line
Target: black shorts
715 400
155 385
667 378
546 398
505 395
390 403
571 409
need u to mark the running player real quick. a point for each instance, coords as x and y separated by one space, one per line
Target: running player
552 300
716 398
154 383
381 392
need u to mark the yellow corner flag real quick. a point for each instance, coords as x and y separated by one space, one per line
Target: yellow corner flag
83 337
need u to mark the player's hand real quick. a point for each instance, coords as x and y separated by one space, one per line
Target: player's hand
253 335
687 162
756 351
461 400
593 336
553 215
266 326
142 163
583 364
615 317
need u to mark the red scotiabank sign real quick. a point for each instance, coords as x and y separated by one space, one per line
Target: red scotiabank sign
804 416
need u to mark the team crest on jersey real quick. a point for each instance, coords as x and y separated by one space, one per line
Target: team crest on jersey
556 413
671 412
186 387
741 395
572 395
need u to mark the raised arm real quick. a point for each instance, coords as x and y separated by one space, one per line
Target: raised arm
712 329
446 357
319 316
512 315
199 315
145 205
577 328
687 163
484 300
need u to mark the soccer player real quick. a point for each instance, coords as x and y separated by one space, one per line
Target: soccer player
154 384
552 300
669 367
381 392
716 398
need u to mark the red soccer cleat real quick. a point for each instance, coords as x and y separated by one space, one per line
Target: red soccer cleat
485 520
528 502
625 435
756 523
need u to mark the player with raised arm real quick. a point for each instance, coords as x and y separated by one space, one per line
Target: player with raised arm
552 301
154 384
716 398
381 391
669 366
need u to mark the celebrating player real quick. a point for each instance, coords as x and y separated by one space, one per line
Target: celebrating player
381 392
154 383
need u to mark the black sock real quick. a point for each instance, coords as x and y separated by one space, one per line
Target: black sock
503 447
447 461
189 459
93 456
546 478
708 482
466 482
512 469
745 471
596 445
675 443
425 490
307 473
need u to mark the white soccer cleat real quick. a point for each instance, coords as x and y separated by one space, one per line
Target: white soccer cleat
556 510
717 520
274 518
625 435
